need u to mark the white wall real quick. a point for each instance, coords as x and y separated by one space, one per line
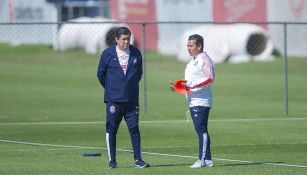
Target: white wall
22 11
179 10
289 11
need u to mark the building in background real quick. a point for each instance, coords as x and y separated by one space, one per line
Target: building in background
43 11
71 9
294 11
162 37
135 11
14 11
30 11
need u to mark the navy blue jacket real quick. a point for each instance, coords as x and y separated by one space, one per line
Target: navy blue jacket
119 87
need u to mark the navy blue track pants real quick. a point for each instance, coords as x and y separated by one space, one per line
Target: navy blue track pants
200 116
115 113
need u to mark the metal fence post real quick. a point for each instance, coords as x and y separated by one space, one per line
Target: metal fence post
144 83
286 97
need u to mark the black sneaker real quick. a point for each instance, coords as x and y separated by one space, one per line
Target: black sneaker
112 164
141 164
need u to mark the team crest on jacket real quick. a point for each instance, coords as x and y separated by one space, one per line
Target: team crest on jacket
112 109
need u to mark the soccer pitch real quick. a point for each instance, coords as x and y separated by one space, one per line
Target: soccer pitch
52 112
239 146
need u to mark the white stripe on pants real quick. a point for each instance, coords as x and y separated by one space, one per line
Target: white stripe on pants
205 142
108 146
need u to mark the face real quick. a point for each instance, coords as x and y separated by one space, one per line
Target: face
193 48
123 42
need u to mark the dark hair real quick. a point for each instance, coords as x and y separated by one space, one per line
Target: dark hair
198 39
122 31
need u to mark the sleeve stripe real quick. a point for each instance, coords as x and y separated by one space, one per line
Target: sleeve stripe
209 80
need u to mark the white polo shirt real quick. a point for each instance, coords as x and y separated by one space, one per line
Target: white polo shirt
197 71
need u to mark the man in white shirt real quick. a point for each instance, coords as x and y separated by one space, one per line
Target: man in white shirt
199 75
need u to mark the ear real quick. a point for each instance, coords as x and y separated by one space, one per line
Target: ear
116 39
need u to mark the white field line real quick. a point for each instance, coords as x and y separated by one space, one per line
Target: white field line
158 121
266 144
150 153
54 123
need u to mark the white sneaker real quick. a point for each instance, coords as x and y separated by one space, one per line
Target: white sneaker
198 164
208 163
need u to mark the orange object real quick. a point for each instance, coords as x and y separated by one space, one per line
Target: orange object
180 88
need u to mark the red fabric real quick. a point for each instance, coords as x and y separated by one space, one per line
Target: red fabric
209 80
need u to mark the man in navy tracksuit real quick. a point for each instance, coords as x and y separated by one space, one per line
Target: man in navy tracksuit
119 72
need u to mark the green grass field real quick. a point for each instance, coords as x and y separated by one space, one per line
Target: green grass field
272 141
51 101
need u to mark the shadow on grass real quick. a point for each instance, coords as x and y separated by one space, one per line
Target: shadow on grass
169 165
252 163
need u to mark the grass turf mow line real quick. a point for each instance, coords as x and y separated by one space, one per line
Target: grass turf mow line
149 153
